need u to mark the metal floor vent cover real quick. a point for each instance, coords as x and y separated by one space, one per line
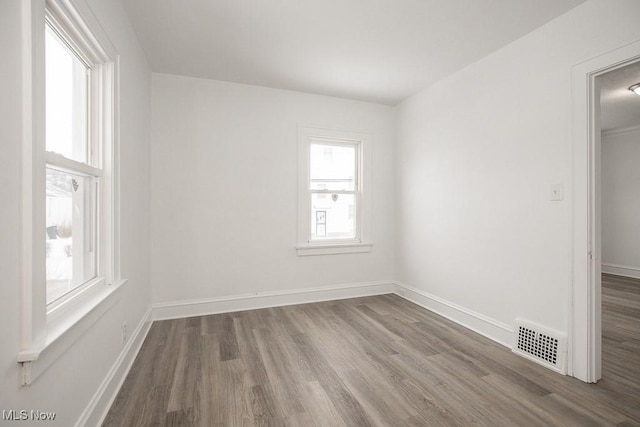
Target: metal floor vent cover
540 345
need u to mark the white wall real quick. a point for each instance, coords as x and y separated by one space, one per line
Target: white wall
621 202
68 385
476 156
224 189
10 135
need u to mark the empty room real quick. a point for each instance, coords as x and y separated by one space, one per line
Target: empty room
336 213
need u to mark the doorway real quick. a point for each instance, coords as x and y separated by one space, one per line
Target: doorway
585 322
620 230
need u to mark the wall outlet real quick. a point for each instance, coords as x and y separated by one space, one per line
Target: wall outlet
124 333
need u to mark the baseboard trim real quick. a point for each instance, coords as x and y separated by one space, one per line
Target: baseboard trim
99 405
479 323
621 270
206 306
622 131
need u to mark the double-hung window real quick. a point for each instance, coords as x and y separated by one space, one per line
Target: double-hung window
74 172
334 189
334 207
70 177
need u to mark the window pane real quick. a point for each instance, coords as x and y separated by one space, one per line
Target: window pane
66 100
332 216
70 233
333 167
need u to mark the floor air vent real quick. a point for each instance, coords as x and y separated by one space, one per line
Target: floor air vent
540 345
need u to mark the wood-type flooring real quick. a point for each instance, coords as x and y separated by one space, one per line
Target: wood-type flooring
370 361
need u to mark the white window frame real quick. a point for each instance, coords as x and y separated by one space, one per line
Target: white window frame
308 135
49 330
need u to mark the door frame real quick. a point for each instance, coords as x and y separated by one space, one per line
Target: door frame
585 322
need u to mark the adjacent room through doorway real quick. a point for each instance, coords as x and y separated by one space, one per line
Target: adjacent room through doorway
620 210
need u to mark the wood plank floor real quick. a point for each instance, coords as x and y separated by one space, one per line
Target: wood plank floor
621 333
368 361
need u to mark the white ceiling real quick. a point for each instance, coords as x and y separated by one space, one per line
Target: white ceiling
373 50
619 107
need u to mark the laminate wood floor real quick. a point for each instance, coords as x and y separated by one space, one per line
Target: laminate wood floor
621 333
368 361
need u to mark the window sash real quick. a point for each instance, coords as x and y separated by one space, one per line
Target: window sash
92 242
356 192
78 142
356 168
355 145
334 191
88 55
62 162
356 222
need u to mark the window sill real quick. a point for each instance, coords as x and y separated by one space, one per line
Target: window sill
63 331
333 248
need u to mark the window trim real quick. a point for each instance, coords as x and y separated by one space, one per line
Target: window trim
362 241
47 332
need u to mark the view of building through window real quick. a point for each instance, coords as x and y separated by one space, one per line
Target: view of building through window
333 184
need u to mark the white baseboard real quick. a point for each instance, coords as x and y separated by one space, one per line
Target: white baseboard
99 405
621 270
490 328
484 325
202 307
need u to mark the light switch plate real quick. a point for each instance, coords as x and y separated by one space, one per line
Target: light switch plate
557 193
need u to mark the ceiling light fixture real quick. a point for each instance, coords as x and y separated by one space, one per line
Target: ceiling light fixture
635 88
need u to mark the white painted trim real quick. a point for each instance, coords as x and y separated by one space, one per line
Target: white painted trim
477 322
621 270
621 131
338 248
584 341
76 21
33 273
364 194
45 336
99 405
493 329
55 159
229 304
66 331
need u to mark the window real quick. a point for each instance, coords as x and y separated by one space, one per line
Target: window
334 205
73 172
334 189
70 181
